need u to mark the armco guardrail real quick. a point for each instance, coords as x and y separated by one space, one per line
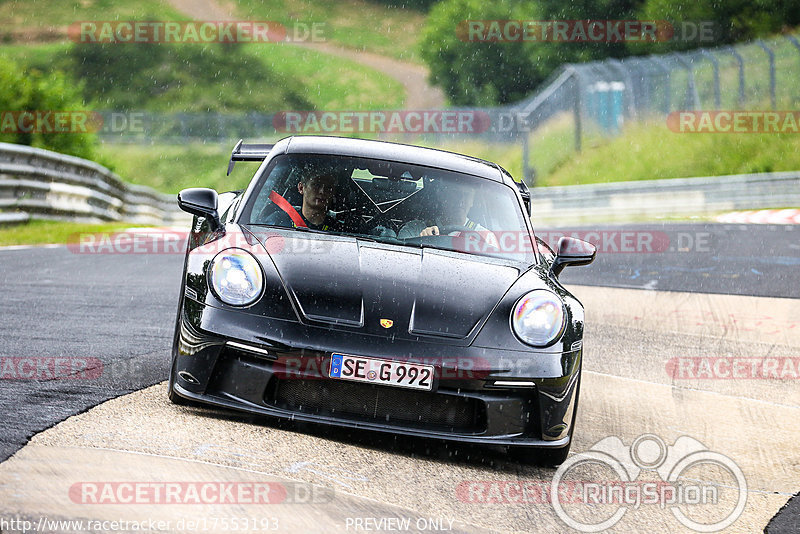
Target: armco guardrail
49 185
43 184
662 199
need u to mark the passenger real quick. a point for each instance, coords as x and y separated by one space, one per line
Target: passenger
455 202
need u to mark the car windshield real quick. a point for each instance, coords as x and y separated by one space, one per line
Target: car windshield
391 202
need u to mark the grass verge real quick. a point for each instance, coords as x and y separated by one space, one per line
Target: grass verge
170 168
27 18
643 151
40 232
357 24
651 151
320 80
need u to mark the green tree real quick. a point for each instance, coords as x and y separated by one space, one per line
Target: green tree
32 90
184 77
733 20
475 73
487 73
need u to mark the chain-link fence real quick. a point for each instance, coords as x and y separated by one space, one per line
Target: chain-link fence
598 98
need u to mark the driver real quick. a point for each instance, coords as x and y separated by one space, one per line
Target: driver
455 201
318 193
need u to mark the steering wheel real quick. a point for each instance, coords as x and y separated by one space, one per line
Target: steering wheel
450 228
484 235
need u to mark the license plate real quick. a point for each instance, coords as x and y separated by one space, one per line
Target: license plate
374 371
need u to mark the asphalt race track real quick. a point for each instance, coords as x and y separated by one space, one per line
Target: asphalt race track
710 295
116 312
734 259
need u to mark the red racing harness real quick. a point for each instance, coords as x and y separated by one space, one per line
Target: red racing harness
283 204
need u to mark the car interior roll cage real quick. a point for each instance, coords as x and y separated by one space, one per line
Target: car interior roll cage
392 194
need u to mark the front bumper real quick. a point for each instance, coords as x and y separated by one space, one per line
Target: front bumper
279 368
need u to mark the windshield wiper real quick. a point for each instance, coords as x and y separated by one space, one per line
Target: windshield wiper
373 238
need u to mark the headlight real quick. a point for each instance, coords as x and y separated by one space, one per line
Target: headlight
538 318
236 277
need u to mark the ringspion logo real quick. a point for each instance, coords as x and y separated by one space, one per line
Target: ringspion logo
690 478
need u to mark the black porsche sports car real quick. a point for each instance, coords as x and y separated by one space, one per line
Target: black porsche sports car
380 286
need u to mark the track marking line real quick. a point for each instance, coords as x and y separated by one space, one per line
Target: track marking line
784 216
245 470
640 381
26 247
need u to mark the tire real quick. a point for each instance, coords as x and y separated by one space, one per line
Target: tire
173 397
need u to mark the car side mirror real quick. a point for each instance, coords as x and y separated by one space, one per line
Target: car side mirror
202 202
572 251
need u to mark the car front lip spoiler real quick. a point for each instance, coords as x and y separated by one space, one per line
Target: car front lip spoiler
344 423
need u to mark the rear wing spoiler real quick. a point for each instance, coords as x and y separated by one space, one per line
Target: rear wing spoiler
249 152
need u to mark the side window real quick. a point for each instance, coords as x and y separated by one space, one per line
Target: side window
546 252
279 178
229 213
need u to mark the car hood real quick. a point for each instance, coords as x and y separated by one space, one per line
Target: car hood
386 289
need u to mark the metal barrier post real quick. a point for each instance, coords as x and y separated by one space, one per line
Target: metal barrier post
794 41
691 89
631 104
668 72
771 56
577 115
715 63
740 60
